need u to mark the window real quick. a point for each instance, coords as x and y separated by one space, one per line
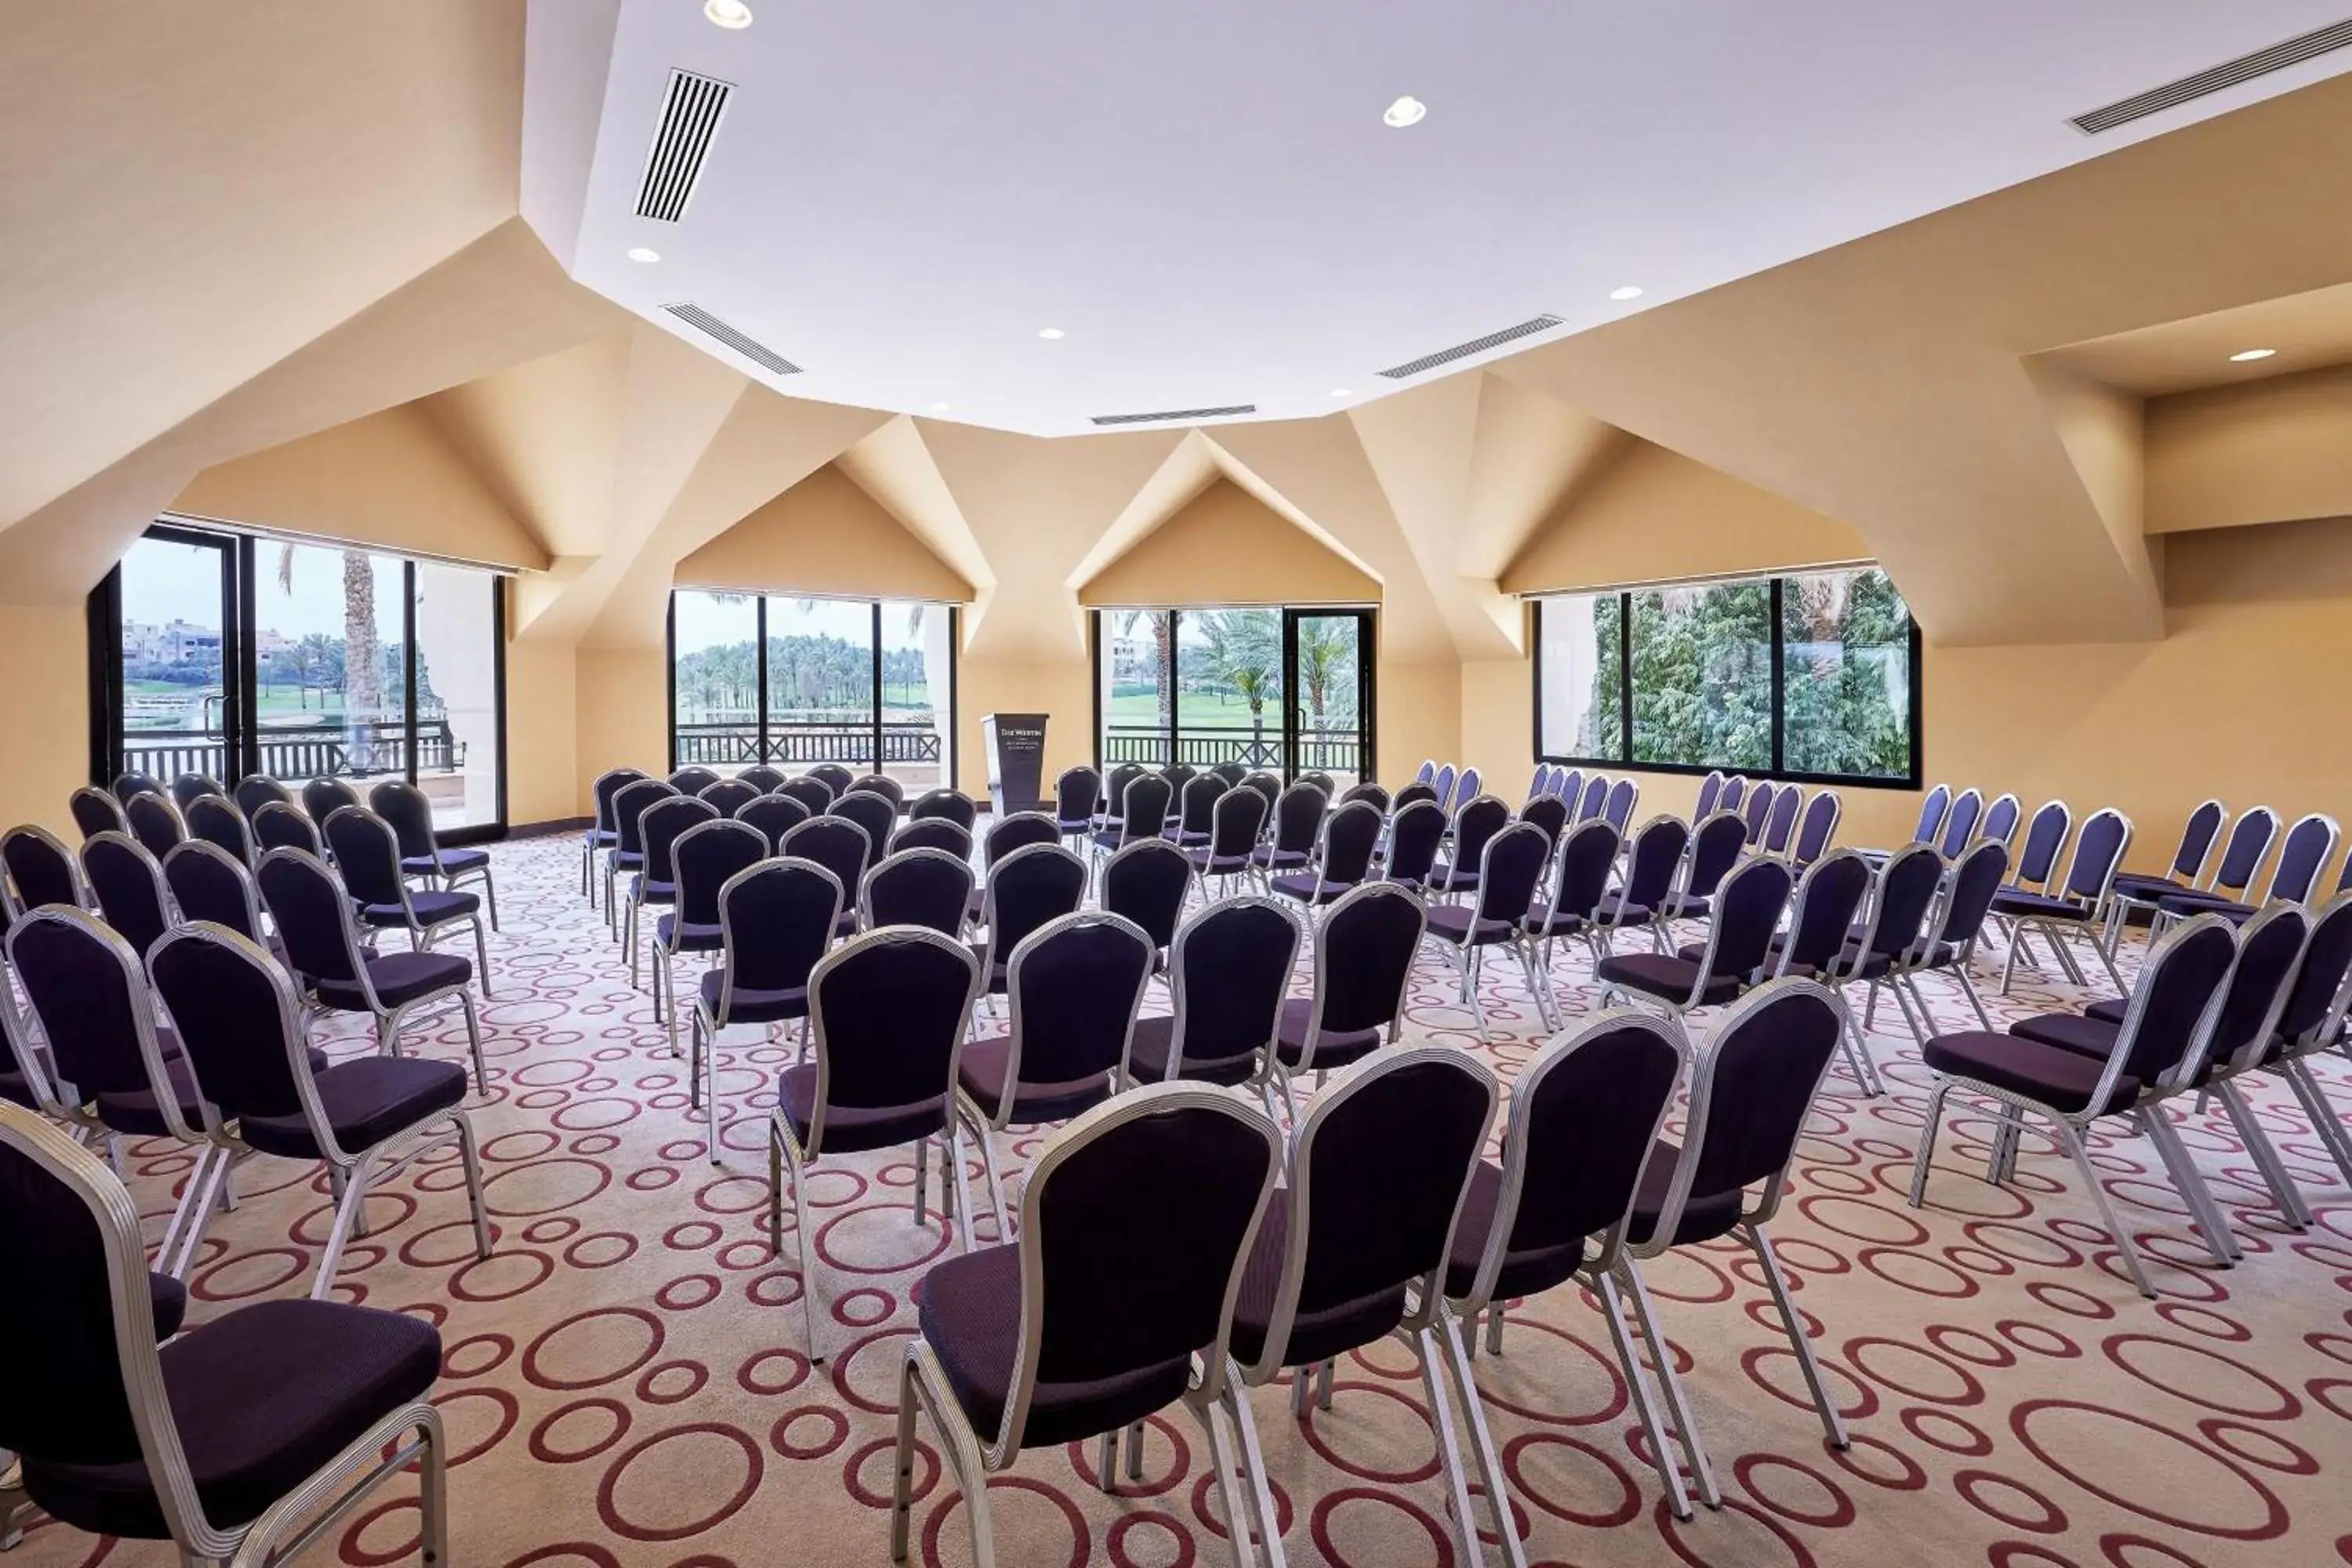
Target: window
1811 676
1288 691
231 654
763 678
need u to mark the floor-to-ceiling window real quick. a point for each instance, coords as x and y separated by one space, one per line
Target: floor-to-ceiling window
231 654
1288 691
867 683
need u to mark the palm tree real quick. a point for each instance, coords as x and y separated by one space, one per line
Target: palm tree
363 680
1163 632
1327 653
1245 654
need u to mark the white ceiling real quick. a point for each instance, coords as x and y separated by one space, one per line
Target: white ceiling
1203 196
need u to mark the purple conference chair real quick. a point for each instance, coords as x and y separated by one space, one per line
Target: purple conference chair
1715 846
2312 1022
215 819
2037 861
1114 797
598 837
1579 882
1142 814
1497 915
1414 834
1443 785
812 791
881 785
367 857
1146 882
405 807
1229 970
1710 795
1029 886
1757 809
1548 813
1569 789
39 869
1350 835
729 796
693 780
209 884
876 817
1299 816
2190 860
1197 811
1074 802
155 823
1781 826
1371 793
833 776
1739 945
1233 829
190 787
129 886
2079 904
775 920
1960 828
627 854
1015 830
1473 824
1884 945
918 887
1596 795
1951 947
281 825
767 780
1364 950
325 796
772 815
704 857
954 805
2000 820
1817 829
938 833
841 847
1649 867
2303 854
95 811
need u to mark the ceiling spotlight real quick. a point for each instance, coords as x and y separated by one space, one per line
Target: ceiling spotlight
940 407
2244 356
644 253
1626 292
732 15
1050 335
1341 392
1406 111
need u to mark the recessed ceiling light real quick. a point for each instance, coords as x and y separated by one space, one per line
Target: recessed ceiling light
1050 335
644 253
938 408
732 15
1626 292
1406 111
1341 392
2242 355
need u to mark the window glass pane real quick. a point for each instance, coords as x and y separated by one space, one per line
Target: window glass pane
171 671
329 671
716 639
1846 675
821 682
916 721
1331 667
1577 638
1229 688
1703 675
457 694
1133 648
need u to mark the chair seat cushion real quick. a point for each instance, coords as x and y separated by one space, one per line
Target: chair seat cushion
1317 1333
136 1113
1705 1215
692 937
2038 906
848 1130
1460 925
1155 1042
167 1302
1333 1049
1614 910
969 1311
1666 976
981 1073
400 978
263 1397
1269 856
1684 907
2110 1011
1526 1272
368 1101
1110 838
1069 825
2069 1031
2059 1078
1310 887
1186 838
1215 865
2187 904
1454 878
1545 921
643 890
2144 886
753 1006
454 862
431 908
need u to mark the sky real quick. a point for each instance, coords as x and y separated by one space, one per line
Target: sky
162 581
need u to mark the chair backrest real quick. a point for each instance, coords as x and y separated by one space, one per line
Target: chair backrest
1378 1173
834 776
1747 912
40 870
1735 791
2174 1004
156 822
128 784
1364 951
883 784
1200 803
1596 796
1017 830
1232 771
954 805
2315 1001
1476 822
403 806
239 1022
1931 814
2248 846
1961 823
1710 789
665 822
775 920
1178 775
888 1012
2000 819
1074 794
1299 816
2046 835
87 992
2305 852
1367 792
1350 834
1230 969
1974 882
1077 984
1546 813
1269 786
1585 1112
1656 855
1828 896
281 824
1907 891
128 885
1136 1225
2198 837
325 796
1426 771
96 811
1759 808
872 812
762 777
1413 837
1781 825
1817 830
729 796
940 833
1466 788
918 887
1587 856
2270 944
1569 786
629 807
2099 851
1716 847
705 857
608 784
774 815
1115 787
1235 826
1411 793
1618 808
215 819
193 786
1030 887
1443 782
693 780
367 857
812 791
1145 881
834 843
209 884
1509 868
1143 811
312 914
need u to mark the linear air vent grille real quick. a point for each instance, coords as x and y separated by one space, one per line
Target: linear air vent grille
689 118
1168 414
2227 74
752 349
1526 328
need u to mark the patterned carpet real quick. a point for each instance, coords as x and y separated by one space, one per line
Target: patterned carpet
624 1382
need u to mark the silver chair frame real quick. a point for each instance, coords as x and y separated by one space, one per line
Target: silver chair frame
421 933
1275 1069
704 1022
1468 956
664 957
2094 906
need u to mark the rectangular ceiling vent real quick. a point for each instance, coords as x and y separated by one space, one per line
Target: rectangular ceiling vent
750 348
1173 414
689 118
2227 74
1475 346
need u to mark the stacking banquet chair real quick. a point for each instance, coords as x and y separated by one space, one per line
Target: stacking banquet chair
840 846
1752 1087
1549 814
1371 793
242 1441
1077 984
812 791
1146 882
209 884
1142 814
627 854
323 796
1414 834
2001 819
1426 771
2312 1021
156 822
2035 867
129 886
1270 787
693 780
39 869
833 776
889 1011
2200 836
1233 829
366 1120
127 785
1820 942
1950 948
2080 903
704 859
1960 824
193 786
948 805
1651 863
1114 795
1579 882
1781 826
1817 828
1074 803
1466 788
939 833
874 813
773 815
1364 950
215 819
1617 809
1715 846
1735 791
1409 795
1585 1112
403 806
1710 795
883 784
1888 940
1540 781
2171 1012
1232 771
775 920
95 811
1596 796
2244 855
1117 1302
1354 1248
1475 822
1229 973
1196 810
1739 943
1178 775
1350 835
659 827
1029 886
1759 808
762 777
1558 786
729 796
254 790
2309 845
1932 812
313 917
367 856
1443 782
280 825
1298 814
1497 915
918 887
1014 830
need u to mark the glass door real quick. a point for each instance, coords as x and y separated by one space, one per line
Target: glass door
174 709
1229 688
1329 728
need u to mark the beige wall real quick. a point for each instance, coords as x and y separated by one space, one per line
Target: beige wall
2271 452
544 781
824 536
1227 547
44 714
624 713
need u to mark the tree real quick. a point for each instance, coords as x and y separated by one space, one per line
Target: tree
1162 625
1244 653
1326 659
362 672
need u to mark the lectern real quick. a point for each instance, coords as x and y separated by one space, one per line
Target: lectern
1017 761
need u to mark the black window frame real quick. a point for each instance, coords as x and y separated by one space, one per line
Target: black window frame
1776 772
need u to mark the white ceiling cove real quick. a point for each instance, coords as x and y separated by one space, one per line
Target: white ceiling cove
1204 200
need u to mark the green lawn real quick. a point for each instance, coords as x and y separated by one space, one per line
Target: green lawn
1197 711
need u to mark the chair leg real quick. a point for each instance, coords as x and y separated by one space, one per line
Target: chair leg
922 1178
2265 1155
2107 958
1135 1451
473 1044
958 1452
2324 1123
490 899
1910 982
355 1185
1645 1404
2219 1239
987 1138
1449 1446
1831 1423
1933 1125
481 958
1491 1475
1858 1059
1495 1329
2070 1136
433 1495
470 1155
961 1212
1969 989
185 1231
790 1149
1701 1473
1257 1523
1106 1463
